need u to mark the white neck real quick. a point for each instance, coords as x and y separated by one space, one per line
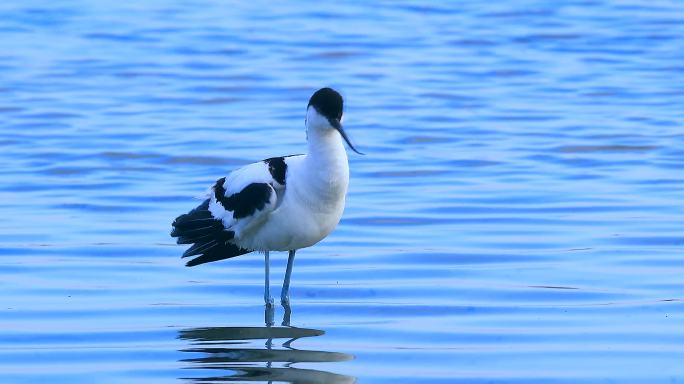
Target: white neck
326 149
326 161
325 143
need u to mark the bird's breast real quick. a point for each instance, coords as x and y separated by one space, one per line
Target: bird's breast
311 208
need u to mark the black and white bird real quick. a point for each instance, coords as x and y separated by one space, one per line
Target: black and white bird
278 204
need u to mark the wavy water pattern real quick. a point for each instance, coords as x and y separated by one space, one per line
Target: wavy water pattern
517 217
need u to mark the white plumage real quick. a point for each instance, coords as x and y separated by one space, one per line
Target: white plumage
279 204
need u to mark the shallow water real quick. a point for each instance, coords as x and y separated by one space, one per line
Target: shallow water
517 217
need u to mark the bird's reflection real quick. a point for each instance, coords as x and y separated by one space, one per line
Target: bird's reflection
265 354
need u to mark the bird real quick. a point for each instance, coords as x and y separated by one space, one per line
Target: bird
278 204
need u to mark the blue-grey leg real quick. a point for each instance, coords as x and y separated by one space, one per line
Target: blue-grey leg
286 314
267 284
269 311
285 293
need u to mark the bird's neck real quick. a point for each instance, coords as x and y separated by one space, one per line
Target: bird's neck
327 159
326 147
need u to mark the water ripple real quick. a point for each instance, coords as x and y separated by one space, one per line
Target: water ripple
517 217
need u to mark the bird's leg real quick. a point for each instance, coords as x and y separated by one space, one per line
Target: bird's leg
285 293
269 311
286 314
267 285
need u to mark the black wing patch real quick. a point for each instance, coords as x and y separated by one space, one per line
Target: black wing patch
277 167
220 252
209 238
195 225
244 203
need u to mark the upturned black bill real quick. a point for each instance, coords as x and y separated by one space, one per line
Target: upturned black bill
336 124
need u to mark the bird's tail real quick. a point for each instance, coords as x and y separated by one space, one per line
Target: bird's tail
207 235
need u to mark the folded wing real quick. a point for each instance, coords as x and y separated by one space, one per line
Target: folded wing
235 205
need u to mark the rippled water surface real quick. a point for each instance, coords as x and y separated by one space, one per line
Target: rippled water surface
517 217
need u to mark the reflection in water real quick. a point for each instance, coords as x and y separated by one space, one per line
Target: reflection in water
247 354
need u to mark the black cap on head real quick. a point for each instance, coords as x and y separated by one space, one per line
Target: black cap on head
328 103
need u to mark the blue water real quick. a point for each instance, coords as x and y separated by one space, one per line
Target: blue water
517 217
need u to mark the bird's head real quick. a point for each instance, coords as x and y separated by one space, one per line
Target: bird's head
324 112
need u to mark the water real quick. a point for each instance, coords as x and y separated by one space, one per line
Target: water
517 217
